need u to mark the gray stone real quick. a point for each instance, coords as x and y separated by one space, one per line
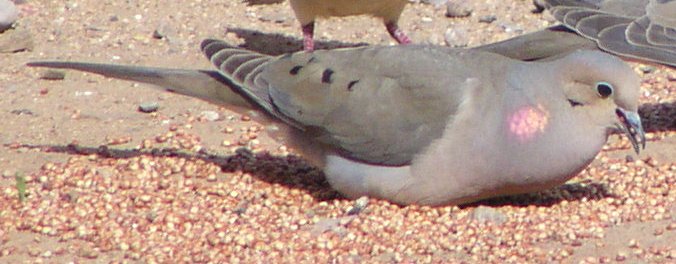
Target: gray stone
148 107
210 115
336 225
487 19
164 31
358 206
539 6
434 2
647 69
456 37
53 75
458 9
488 214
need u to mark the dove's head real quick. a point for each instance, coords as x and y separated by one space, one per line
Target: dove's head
606 90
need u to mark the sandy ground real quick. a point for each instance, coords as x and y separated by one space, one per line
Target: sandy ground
89 111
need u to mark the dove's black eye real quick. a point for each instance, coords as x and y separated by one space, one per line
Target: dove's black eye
604 89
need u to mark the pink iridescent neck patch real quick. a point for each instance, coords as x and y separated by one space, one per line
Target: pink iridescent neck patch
527 122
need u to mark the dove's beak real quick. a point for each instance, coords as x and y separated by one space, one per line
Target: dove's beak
631 125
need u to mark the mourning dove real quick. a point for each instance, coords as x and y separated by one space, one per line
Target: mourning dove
638 29
420 124
309 10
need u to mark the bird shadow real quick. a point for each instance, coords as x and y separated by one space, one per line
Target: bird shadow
658 117
276 44
293 172
290 171
566 192
262 2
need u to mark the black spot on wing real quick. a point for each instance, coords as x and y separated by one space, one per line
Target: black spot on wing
295 70
574 103
326 76
352 83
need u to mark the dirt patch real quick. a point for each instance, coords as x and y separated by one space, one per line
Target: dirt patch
171 187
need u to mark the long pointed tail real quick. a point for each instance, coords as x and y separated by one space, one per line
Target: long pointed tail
207 85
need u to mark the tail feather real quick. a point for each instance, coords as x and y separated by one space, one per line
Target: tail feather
234 62
244 69
245 72
237 82
236 65
231 63
207 85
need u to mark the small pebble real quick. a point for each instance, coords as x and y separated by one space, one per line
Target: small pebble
434 2
83 93
487 19
456 37
22 111
164 31
358 206
87 253
511 28
633 243
331 224
8 174
621 256
210 115
457 9
539 6
645 69
148 107
70 5
671 77
658 232
53 75
488 214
